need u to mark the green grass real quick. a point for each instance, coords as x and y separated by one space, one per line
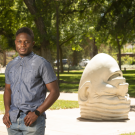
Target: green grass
75 75
130 78
72 76
59 104
1 104
128 134
64 104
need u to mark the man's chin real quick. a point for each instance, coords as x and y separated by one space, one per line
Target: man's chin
23 53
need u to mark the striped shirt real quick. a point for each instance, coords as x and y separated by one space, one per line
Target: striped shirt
27 77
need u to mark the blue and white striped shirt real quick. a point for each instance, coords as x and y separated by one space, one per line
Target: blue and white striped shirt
27 77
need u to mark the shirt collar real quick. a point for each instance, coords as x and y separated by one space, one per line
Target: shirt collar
27 57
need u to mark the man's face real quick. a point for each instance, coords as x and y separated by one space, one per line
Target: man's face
24 44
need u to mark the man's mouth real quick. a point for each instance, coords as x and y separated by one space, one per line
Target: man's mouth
22 49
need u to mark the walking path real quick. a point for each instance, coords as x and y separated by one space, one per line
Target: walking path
68 122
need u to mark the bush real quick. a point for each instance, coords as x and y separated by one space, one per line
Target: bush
127 60
133 61
72 67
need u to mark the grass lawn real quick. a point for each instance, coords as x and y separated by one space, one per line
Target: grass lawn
59 104
64 104
128 134
74 76
130 78
1 104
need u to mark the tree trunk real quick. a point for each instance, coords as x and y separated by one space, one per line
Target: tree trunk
74 58
4 58
119 55
94 49
45 50
61 56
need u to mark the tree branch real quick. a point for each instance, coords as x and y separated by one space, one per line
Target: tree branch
129 19
66 40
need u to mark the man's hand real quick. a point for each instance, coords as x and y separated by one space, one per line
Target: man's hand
6 120
30 118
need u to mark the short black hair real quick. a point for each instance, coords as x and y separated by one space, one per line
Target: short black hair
25 30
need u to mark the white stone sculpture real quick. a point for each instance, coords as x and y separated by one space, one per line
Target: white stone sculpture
102 93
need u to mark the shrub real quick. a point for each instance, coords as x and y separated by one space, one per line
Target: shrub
126 60
72 67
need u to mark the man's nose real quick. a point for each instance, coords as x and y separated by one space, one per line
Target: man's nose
23 44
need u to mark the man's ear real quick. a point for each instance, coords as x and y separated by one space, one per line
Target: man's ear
33 43
15 41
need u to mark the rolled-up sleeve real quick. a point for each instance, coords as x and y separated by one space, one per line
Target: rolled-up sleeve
47 72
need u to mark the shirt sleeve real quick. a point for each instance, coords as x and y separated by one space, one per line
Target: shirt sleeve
7 80
47 72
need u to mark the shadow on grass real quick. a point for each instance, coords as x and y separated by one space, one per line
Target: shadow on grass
128 72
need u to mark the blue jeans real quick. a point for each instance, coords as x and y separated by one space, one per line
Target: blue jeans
19 128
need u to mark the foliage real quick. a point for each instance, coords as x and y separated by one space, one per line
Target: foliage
16 54
66 67
7 23
116 21
127 60
126 50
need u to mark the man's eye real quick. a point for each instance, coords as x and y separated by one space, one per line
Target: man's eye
26 42
19 41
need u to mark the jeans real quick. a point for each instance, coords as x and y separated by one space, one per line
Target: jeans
19 128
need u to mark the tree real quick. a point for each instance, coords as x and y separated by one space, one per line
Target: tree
117 20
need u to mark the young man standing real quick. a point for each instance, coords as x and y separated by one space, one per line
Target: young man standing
27 79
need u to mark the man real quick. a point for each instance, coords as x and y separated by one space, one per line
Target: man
27 79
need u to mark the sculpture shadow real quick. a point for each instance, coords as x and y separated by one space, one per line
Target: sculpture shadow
89 120
132 108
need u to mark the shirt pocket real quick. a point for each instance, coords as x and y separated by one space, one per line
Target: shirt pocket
27 76
11 76
30 75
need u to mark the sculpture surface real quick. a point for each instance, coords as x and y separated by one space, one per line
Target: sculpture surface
102 93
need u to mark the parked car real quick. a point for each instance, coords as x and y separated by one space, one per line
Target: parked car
84 62
64 61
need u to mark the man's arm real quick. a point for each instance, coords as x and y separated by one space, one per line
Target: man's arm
51 98
7 102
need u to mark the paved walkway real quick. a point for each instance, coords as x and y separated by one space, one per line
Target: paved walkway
68 122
